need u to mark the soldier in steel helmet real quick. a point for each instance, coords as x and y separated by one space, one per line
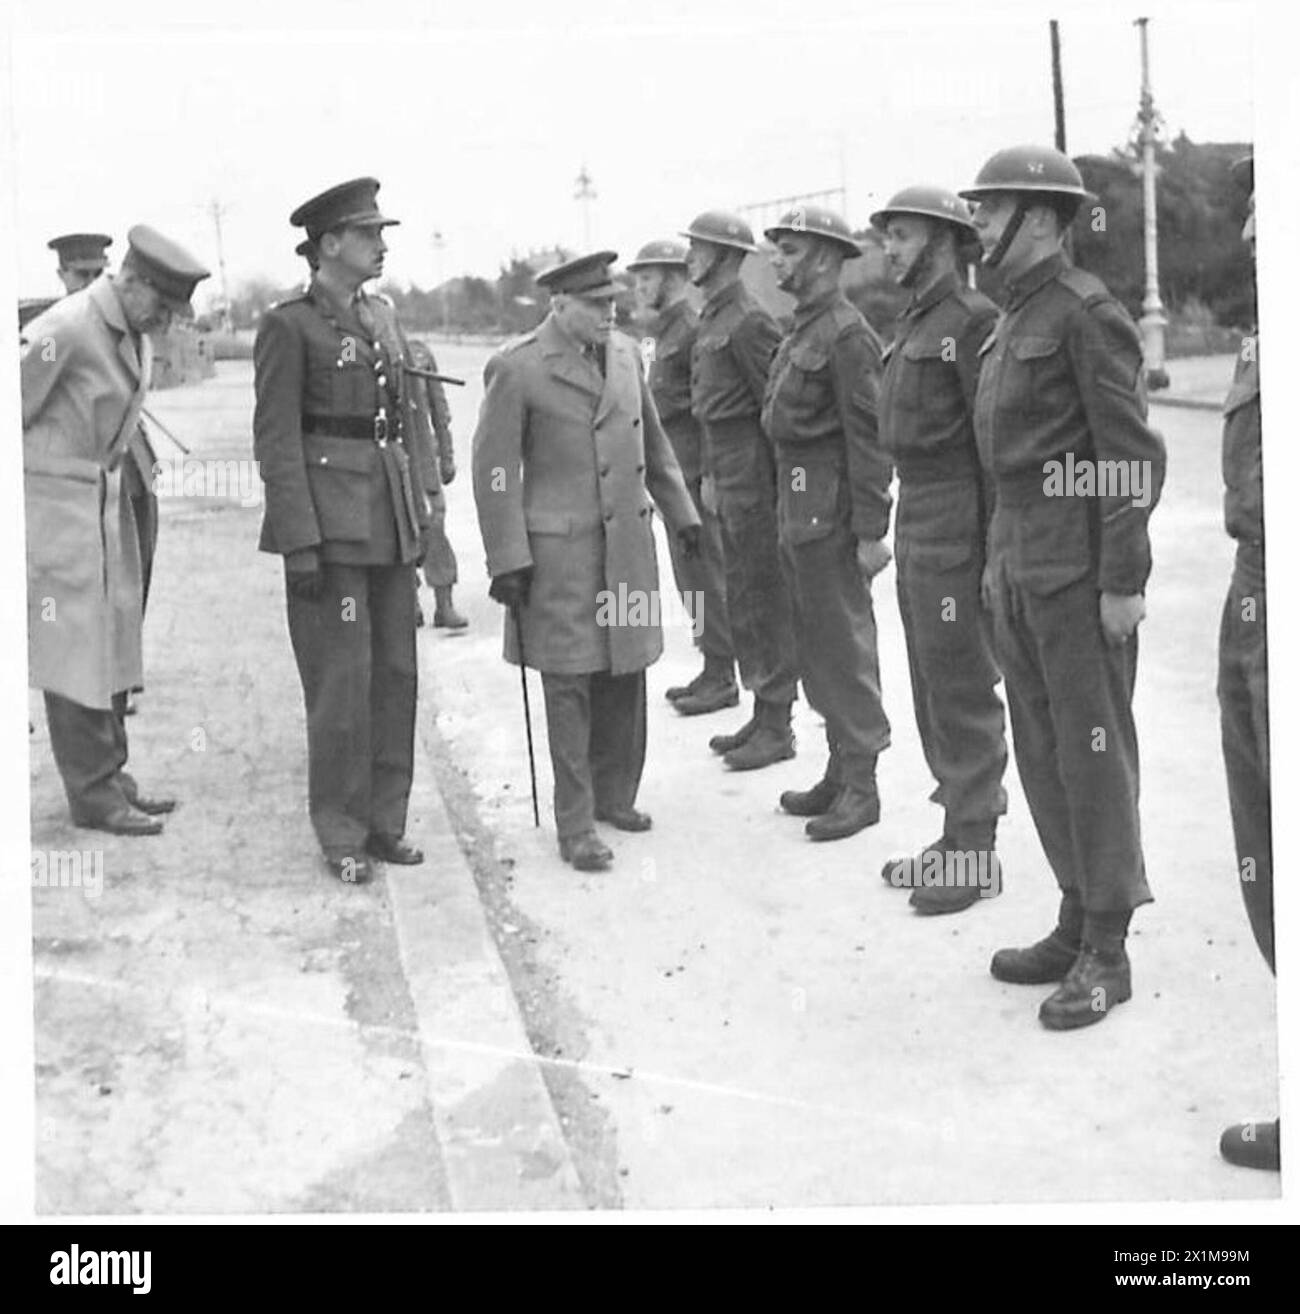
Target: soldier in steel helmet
733 354
661 285
927 404
832 486
1243 678
1060 420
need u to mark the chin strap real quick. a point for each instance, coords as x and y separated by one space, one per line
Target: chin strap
921 266
996 256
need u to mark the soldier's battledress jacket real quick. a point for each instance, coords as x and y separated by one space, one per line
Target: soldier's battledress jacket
1061 375
330 431
670 384
820 412
1243 464
927 398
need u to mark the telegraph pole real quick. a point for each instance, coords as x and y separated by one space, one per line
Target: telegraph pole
216 209
1153 319
1058 88
585 192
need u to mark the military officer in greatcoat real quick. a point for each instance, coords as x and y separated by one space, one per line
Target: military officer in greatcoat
83 257
568 453
734 346
1243 678
927 405
345 508
1060 421
661 284
85 371
832 493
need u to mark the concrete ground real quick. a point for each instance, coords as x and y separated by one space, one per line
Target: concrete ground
731 1016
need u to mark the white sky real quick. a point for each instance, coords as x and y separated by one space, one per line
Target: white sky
477 117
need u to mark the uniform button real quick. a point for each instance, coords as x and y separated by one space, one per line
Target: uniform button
381 381
609 515
644 510
636 421
604 470
324 460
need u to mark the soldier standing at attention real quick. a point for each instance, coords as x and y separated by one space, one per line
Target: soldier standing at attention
733 354
82 258
440 569
85 372
1243 680
660 271
927 406
345 507
567 453
1061 389
832 496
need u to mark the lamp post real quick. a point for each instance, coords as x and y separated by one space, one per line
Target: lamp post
1153 319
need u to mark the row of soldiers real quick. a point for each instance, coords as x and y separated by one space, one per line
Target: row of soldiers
784 444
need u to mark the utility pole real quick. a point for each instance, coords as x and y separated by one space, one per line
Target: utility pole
1153 319
586 193
438 243
216 209
1058 88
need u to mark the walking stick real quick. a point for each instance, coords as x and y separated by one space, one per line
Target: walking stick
528 718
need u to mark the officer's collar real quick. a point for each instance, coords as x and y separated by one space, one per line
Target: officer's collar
334 301
1035 277
931 295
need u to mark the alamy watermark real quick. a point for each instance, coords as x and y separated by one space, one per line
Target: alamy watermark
649 608
189 476
959 869
1087 478
69 869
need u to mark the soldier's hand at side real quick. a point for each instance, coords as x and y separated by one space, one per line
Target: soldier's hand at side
688 539
304 576
1120 614
873 556
512 589
447 468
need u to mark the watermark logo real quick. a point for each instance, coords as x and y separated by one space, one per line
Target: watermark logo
69 869
957 869
1087 478
98 1268
188 476
649 608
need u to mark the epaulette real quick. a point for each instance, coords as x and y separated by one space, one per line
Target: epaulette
1087 287
289 301
515 343
845 314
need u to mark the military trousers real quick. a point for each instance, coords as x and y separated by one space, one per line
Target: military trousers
1070 696
596 728
90 750
356 656
1243 721
835 625
701 580
959 716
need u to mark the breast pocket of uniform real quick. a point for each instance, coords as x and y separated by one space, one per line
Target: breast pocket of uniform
811 502
1033 382
930 377
339 471
808 379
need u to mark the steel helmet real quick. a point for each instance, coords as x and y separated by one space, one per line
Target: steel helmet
928 203
816 221
722 229
662 252
1029 169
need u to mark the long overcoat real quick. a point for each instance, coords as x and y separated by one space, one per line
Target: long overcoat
83 381
565 466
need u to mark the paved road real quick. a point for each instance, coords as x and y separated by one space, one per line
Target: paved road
732 1016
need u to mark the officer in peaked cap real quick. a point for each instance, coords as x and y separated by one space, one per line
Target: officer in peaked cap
1060 389
568 451
1243 677
82 257
661 285
346 509
85 372
927 403
832 496
733 353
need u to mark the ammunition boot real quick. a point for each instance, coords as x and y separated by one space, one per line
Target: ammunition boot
725 743
715 693
912 867
1040 964
772 740
1253 1145
812 802
445 615
854 809
1098 980
968 858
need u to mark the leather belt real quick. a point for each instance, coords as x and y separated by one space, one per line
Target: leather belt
340 426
